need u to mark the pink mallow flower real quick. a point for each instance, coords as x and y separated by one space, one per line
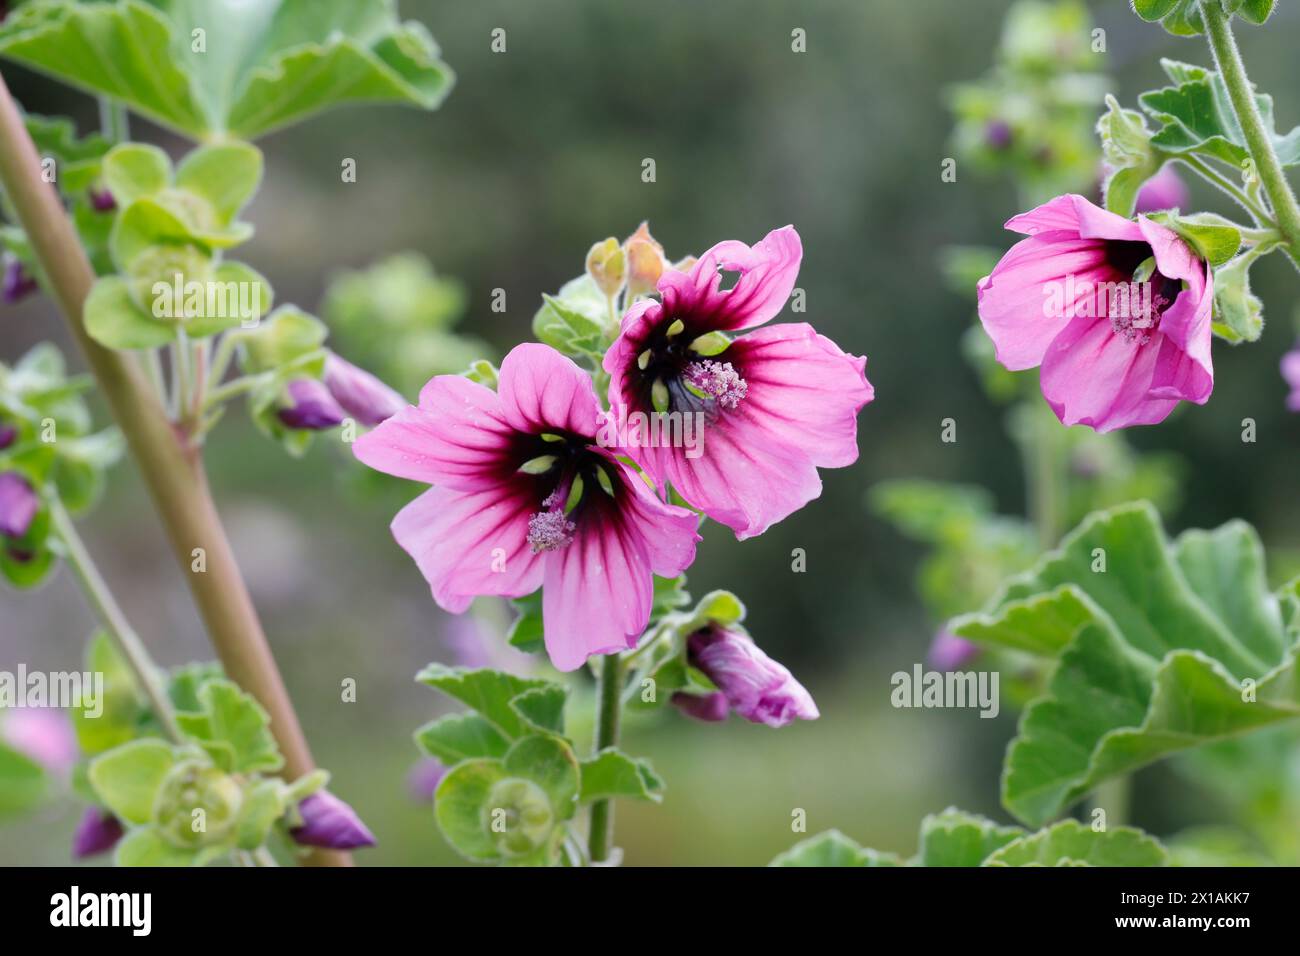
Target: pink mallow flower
776 403
44 735
1116 312
524 497
754 685
1291 372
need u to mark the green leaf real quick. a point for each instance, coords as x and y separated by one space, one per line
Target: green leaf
1070 843
1198 118
526 631
212 69
127 779
147 846
264 803
132 170
114 320
287 334
226 175
456 737
548 762
460 804
1173 645
23 782
1153 10
123 709
233 728
77 161
955 838
1238 314
486 691
542 708
833 848
574 322
1214 238
237 296
612 773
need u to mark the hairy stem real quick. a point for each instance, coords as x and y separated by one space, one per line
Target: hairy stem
112 619
171 467
1228 187
609 706
1258 139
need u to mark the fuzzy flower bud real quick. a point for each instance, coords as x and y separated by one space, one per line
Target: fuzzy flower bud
359 393
757 687
645 262
607 266
329 822
311 406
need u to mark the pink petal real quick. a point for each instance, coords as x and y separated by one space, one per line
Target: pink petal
457 436
1093 376
1015 300
468 543
598 590
543 391
767 275
1074 214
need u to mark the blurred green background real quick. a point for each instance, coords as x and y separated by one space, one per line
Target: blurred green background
535 155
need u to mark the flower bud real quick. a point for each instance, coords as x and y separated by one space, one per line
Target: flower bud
329 822
190 787
997 134
711 708
18 282
359 393
1291 373
607 266
1164 190
311 406
168 265
98 832
645 262
18 504
8 435
948 652
756 687
528 820
101 200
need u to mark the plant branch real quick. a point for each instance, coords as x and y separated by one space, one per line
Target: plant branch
1223 183
171 468
112 619
609 706
1258 139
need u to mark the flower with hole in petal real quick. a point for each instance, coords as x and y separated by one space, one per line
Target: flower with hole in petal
754 685
775 403
1116 312
524 497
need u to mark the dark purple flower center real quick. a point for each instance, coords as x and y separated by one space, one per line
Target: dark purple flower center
1140 294
566 479
686 370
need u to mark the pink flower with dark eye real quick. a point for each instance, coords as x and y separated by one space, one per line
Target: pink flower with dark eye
1291 373
18 504
524 497
775 403
756 687
1116 312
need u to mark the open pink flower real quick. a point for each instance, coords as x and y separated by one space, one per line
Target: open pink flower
1116 312
523 497
776 403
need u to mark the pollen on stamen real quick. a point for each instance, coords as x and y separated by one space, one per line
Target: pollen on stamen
719 380
549 530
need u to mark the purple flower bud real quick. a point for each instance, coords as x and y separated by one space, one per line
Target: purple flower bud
948 652
311 406
101 200
18 504
1164 190
1291 372
18 283
329 822
8 435
359 393
757 687
44 735
707 707
97 832
424 778
997 134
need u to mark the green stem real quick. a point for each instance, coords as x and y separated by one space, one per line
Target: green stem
609 706
232 389
1044 479
171 466
113 120
1258 138
112 619
1222 182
